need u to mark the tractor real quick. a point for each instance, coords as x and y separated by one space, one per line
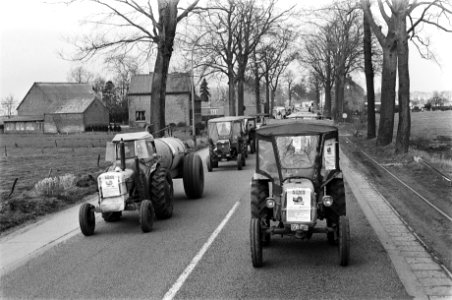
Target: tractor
227 141
297 182
141 179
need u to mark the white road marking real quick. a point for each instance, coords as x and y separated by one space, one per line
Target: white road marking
194 262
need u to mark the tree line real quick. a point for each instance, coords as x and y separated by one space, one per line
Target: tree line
257 41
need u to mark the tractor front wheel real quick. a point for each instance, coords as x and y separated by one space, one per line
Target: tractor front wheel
256 242
209 164
344 240
239 161
193 176
86 219
146 215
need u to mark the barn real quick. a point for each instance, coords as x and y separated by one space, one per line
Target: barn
58 108
177 103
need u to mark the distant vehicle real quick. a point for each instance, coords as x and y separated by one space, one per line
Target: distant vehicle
227 141
279 112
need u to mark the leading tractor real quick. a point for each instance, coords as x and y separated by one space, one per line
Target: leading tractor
141 179
298 182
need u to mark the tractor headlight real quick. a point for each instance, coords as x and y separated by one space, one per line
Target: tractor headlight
270 203
327 201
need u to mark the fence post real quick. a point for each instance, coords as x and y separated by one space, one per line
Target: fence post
98 159
12 189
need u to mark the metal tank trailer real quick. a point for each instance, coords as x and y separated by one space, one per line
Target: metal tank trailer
141 178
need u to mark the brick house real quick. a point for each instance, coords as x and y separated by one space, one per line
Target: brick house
178 105
58 108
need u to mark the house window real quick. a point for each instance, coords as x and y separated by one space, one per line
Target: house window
139 115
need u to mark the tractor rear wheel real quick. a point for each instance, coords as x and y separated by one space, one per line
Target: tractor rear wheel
86 219
344 240
256 242
146 215
193 176
162 193
239 161
112 216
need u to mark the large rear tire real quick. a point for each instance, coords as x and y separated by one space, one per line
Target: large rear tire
256 243
239 161
344 240
112 216
193 176
86 219
162 193
146 215
259 210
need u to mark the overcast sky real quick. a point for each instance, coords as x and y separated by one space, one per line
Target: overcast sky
33 32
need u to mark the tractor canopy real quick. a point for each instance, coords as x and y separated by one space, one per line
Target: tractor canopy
137 144
225 128
297 148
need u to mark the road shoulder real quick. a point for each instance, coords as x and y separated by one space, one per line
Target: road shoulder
421 276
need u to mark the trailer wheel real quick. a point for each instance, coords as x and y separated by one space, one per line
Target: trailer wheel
209 164
193 176
344 240
112 216
146 215
244 158
86 219
256 243
239 161
162 195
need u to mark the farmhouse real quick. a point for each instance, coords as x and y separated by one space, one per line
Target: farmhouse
58 108
178 105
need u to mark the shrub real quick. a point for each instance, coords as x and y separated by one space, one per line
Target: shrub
181 124
55 186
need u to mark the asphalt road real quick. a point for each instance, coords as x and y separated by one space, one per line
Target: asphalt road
119 261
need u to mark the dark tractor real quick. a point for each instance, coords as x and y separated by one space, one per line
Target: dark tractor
227 141
298 161
141 179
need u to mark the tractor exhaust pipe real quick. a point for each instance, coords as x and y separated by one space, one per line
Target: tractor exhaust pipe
122 151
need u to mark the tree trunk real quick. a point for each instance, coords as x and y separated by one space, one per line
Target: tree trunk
369 71
257 90
231 94
240 95
404 126
327 108
317 94
267 95
168 21
339 94
388 83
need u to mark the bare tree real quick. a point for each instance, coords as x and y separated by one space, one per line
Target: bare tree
143 29
80 75
289 78
275 54
8 103
396 57
369 71
317 55
242 25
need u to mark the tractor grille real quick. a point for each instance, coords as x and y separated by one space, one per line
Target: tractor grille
223 147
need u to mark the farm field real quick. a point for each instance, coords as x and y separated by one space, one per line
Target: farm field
31 158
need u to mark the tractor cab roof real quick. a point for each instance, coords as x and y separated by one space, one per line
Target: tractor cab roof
296 127
132 136
227 119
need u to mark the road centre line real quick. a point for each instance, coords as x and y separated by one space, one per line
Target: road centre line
197 258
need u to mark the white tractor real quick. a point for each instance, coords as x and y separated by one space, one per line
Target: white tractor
141 178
